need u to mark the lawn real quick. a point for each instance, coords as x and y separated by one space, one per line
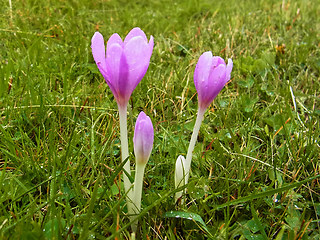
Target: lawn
255 172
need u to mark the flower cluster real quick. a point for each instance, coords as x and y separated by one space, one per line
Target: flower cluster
123 64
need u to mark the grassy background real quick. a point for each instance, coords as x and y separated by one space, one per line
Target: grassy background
255 169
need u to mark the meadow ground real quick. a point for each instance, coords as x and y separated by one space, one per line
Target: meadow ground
255 170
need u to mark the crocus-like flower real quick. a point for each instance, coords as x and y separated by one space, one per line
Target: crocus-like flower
124 63
143 142
210 76
143 138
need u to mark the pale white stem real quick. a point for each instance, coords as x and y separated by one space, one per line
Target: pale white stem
193 141
125 155
10 7
187 163
138 184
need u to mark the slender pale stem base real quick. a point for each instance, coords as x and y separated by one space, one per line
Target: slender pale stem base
187 163
125 155
138 184
10 7
179 177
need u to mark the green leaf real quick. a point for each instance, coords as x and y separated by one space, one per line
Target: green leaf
52 229
253 226
259 66
294 222
223 103
248 103
257 222
266 193
280 234
189 126
249 236
268 57
114 189
248 83
187 215
92 67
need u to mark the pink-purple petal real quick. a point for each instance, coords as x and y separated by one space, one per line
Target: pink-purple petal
210 76
98 50
215 83
216 61
115 38
202 71
135 32
137 53
143 138
151 44
123 63
117 69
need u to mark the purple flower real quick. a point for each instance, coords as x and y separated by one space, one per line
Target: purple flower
143 138
124 63
210 76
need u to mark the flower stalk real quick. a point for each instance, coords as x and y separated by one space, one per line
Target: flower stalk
125 154
137 194
193 141
123 63
186 163
143 143
210 76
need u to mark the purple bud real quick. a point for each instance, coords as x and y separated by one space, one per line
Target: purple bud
210 76
124 63
143 138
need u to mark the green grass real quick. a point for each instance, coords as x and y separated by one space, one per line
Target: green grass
255 169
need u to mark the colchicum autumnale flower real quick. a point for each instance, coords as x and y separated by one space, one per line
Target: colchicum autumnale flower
143 138
210 76
143 143
124 63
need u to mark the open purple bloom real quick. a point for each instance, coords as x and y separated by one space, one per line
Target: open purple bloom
123 63
143 138
210 76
